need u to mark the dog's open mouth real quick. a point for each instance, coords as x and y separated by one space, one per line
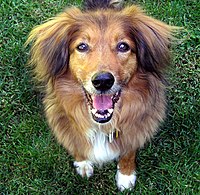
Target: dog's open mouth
102 105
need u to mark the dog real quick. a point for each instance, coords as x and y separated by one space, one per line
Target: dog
102 70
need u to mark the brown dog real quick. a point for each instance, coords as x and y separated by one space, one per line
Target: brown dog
102 70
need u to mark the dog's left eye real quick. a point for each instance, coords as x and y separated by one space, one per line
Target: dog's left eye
123 47
82 47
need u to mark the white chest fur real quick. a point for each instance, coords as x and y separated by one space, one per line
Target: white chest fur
102 151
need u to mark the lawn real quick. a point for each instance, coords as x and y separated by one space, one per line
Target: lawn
32 162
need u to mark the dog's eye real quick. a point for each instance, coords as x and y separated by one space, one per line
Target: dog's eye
123 47
82 47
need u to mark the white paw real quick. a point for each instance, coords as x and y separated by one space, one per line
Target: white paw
125 181
84 168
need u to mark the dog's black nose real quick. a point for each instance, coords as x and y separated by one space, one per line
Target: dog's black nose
103 81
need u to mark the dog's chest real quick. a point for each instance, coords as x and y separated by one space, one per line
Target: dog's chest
102 150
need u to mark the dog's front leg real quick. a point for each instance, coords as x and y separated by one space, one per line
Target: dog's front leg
126 175
83 167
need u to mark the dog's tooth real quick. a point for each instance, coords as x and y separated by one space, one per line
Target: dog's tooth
107 115
98 115
110 111
94 111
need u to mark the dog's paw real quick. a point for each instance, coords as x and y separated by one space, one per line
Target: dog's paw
125 181
84 168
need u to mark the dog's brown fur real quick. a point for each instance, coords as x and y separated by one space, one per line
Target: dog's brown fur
64 71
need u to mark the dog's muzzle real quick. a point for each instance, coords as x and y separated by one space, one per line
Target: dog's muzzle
102 102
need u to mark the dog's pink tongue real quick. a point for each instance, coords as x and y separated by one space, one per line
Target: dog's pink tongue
102 102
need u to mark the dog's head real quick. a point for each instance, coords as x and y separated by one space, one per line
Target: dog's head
102 49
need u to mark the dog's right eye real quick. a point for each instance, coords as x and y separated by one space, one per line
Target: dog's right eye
82 47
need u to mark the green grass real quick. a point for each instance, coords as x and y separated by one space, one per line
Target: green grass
31 161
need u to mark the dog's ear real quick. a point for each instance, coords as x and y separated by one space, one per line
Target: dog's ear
152 39
51 41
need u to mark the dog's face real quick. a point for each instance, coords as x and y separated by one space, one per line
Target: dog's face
102 50
102 59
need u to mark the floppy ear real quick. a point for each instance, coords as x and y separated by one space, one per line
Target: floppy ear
50 49
152 39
